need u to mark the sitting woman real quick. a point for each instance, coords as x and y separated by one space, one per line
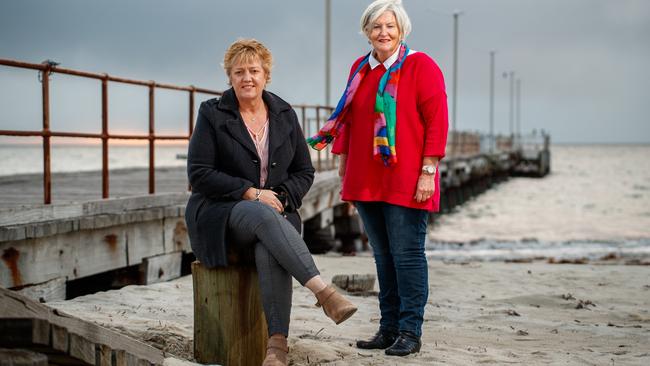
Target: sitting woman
249 168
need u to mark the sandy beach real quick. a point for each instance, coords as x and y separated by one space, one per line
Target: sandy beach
477 313
480 309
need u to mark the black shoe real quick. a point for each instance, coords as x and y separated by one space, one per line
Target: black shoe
405 344
380 340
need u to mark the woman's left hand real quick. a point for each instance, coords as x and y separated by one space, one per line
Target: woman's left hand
426 187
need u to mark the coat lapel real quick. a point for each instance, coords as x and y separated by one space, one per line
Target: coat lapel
238 132
279 128
235 125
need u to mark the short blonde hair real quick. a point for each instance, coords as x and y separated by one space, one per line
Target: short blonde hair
248 50
379 7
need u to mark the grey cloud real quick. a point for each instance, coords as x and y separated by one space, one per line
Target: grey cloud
583 62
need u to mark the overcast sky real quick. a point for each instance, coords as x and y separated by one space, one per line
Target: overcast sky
584 64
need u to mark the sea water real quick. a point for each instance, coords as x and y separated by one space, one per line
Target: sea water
595 201
25 159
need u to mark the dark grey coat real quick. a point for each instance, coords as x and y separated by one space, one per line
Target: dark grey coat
222 164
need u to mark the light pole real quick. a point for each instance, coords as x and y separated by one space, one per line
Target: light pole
328 16
454 83
511 74
492 53
457 13
518 92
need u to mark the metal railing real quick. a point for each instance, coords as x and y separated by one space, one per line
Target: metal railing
312 118
311 123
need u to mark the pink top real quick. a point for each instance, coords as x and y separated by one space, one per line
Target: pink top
261 141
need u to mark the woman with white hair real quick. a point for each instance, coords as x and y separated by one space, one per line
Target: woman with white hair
390 130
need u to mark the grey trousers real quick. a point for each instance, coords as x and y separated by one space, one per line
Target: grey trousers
280 253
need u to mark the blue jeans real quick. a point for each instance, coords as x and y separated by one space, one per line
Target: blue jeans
397 236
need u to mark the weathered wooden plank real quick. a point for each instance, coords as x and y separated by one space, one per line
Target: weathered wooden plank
72 255
21 215
60 339
115 205
119 357
355 282
229 323
176 235
104 355
59 211
323 194
12 233
18 306
145 239
24 332
123 358
82 349
21 357
96 251
161 268
51 290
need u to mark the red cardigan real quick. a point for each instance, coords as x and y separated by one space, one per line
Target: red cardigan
421 131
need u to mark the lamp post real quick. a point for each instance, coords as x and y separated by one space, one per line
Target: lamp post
511 75
511 116
457 13
492 53
328 17
454 82
518 92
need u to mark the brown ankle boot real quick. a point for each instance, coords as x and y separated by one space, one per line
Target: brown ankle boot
276 351
335 306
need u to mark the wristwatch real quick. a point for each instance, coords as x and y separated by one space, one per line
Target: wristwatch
429 169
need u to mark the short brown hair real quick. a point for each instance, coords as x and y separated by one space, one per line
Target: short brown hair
248 50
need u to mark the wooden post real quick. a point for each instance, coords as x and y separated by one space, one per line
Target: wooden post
229 323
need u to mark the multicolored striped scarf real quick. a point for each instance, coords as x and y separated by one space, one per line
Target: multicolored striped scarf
385 110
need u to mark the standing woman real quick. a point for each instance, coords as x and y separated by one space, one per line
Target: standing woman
390 129
249 168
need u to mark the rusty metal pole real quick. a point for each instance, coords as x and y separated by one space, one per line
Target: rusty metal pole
47 173
152 174
191 124
318 163
191 121
105 188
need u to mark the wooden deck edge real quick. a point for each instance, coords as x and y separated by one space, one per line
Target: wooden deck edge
27 323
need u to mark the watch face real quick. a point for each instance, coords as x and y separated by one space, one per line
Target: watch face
429 169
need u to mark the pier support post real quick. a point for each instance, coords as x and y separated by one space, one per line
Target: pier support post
229 323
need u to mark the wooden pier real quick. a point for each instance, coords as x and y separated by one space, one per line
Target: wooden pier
76 236
66 234
34 334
